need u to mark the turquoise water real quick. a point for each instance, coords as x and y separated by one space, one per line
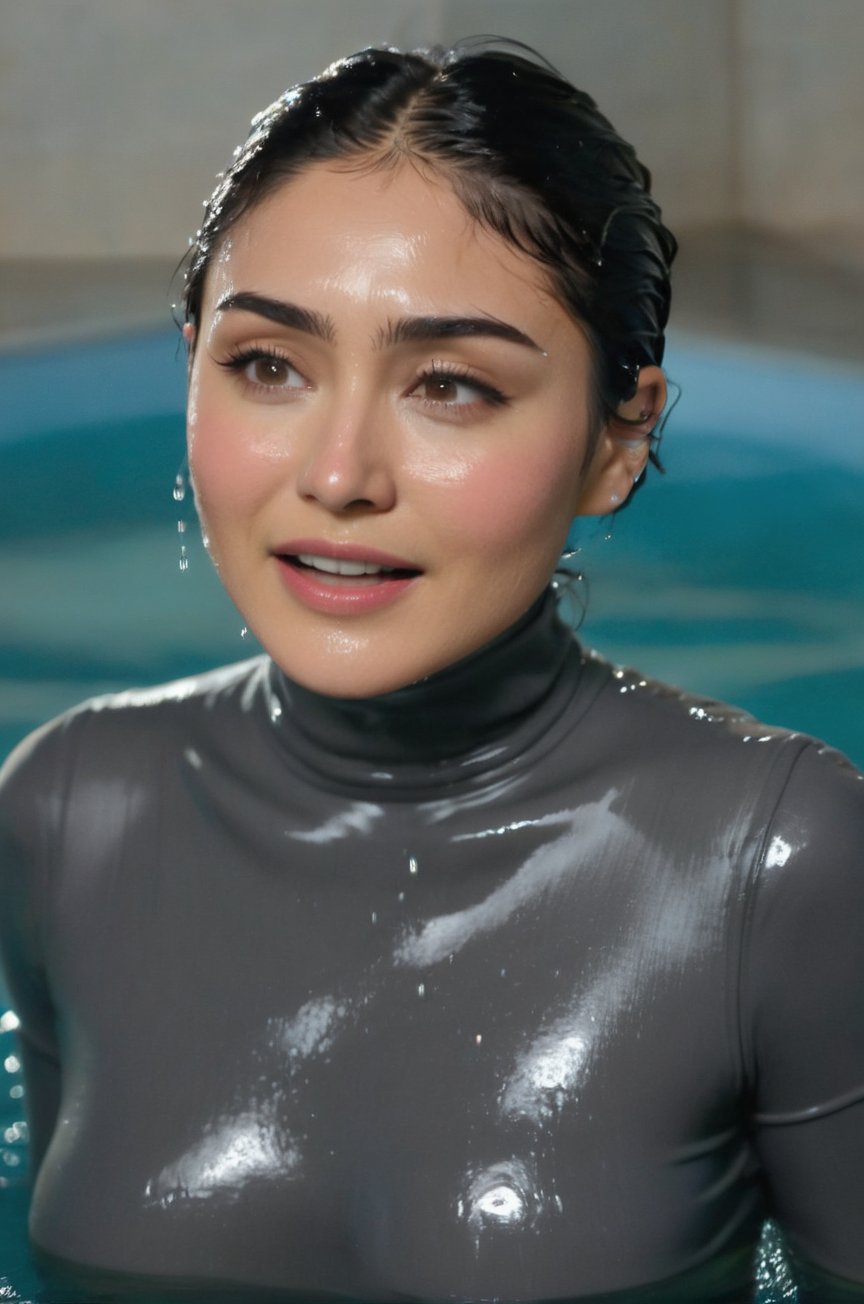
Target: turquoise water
738 574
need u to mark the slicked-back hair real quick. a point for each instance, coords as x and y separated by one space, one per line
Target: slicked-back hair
529 156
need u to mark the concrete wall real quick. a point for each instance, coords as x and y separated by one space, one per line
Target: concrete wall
116 114
800 92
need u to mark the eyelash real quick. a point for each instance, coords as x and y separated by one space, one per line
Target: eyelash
438 371
489 394
241 358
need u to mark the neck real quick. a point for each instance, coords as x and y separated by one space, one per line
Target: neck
463 721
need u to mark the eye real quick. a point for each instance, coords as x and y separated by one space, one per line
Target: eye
449 388
265 369
446 389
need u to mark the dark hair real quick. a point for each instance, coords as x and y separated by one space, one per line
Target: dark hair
528 155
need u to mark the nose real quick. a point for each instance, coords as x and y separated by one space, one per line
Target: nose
348 464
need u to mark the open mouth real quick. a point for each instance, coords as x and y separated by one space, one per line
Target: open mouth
341 571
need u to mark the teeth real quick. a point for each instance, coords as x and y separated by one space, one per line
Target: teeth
333 566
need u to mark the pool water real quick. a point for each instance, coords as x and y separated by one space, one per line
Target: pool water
738 574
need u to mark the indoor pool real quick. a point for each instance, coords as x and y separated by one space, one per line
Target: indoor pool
738 574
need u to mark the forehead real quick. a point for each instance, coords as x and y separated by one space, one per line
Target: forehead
397 237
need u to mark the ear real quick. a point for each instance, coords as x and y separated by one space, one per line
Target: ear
622 449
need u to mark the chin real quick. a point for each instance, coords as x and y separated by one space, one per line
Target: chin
372 659
350 675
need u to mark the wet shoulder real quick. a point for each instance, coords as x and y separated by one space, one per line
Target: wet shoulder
659 723
700 768
133 727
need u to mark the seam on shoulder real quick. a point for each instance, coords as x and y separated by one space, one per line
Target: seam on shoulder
749 890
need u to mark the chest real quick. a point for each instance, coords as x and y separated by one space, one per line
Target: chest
389 1054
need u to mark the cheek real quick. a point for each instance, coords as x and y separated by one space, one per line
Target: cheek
231 469
515 499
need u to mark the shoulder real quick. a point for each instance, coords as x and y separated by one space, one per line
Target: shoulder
691 749
802 975
109 732
676 718
704 775
784 814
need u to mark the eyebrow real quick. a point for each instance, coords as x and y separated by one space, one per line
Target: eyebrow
284 314
412 329
407 330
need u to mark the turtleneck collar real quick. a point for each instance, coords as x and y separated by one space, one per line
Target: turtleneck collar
472 717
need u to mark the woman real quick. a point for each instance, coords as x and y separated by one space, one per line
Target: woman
428 957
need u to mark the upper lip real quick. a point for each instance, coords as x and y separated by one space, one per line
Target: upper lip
343 552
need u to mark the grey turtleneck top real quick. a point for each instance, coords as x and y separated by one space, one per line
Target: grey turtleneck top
535 980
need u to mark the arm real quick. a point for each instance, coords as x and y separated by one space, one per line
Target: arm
803 1022
25 834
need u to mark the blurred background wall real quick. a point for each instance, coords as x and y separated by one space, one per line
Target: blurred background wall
116 114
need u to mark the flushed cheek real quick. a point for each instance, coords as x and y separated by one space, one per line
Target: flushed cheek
505 504
234 469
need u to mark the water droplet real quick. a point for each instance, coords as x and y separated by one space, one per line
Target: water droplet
244 631
421 989
179 491
412 864
401 896
374 916
9 1022
478 1039
184 560
12 1064
10 1158
16 1092
181 527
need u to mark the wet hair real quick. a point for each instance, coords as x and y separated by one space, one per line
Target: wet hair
529 156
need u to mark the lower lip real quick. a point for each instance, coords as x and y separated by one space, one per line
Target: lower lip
341 595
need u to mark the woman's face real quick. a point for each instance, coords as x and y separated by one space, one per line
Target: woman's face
388 427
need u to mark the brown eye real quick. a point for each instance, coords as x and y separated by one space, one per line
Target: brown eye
443 389
272 373
455 393
265 371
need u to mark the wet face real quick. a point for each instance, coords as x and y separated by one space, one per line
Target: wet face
388 429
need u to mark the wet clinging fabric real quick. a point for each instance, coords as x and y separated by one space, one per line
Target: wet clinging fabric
535 980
